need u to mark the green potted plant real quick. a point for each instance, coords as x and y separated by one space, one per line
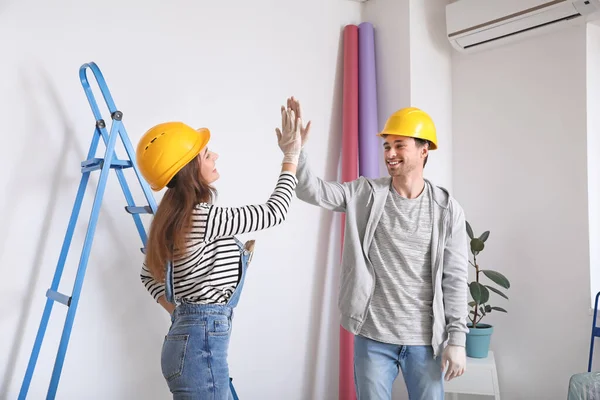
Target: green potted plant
478 338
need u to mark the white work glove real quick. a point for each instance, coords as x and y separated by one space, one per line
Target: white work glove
289 139
455 358
294 105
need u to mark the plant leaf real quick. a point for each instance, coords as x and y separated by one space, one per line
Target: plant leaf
472 304
469 230
485 294
475 289
477 245
493 289
482 311
497 277
488 308
484 236
499 309
479 292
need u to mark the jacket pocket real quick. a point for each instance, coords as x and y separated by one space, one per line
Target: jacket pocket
172 358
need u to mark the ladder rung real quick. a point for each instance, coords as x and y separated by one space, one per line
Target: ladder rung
138 210
96 163
61 298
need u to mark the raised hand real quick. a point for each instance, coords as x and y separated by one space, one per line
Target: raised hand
294 105
289 137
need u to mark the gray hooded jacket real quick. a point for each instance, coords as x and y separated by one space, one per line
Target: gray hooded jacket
363 202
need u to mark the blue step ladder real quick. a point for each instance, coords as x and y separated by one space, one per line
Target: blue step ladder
92 163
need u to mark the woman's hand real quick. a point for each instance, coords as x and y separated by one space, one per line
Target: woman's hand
170 307
289 137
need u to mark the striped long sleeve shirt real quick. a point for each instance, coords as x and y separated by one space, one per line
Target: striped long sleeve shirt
210 270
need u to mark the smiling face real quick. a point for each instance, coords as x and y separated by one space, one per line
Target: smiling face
403 155
208 170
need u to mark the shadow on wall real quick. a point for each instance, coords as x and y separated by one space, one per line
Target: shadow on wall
58 180
321 283
42 89
116 261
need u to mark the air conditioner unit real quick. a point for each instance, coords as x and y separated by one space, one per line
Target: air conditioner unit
478 24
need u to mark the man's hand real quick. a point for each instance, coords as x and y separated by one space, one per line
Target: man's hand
455 358
294 105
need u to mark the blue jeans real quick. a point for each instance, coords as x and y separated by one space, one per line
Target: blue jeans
194 352
376 366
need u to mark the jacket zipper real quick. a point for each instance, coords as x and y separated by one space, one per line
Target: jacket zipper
438 266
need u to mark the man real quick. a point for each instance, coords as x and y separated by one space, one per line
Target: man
403 291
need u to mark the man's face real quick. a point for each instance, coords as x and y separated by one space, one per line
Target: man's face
402 155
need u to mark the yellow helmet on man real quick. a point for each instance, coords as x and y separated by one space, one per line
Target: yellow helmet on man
411 122
166 148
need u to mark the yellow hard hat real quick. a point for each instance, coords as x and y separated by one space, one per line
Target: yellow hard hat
411 122
166 148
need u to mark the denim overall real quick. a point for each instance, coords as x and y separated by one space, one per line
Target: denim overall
194 351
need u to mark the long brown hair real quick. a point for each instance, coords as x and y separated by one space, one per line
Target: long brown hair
173 218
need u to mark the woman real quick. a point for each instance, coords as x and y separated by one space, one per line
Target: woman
195 267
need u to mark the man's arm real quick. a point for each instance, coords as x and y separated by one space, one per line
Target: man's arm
454 279
333 196
314 190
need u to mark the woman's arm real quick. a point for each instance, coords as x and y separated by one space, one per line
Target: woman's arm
211 222
214 222
289 167
155 288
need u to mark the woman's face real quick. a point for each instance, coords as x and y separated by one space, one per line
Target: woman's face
207 160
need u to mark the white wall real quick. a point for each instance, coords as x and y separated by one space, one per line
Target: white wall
431 81
593 152
519 167
225 65
390 19
510 136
